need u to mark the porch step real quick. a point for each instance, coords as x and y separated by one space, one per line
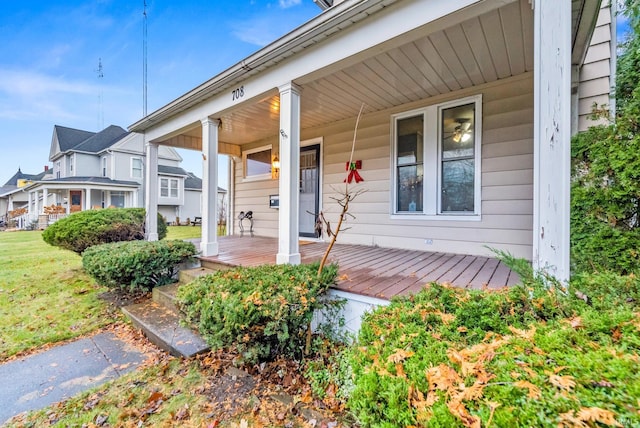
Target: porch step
159 318
215 264
162 326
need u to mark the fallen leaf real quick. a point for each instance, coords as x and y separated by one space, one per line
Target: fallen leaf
576 322
565 383
596 414
534 391
399 356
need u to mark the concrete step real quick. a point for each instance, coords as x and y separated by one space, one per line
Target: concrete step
166 295
162 326
188 275
215 265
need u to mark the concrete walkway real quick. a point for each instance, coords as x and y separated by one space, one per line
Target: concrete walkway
42 379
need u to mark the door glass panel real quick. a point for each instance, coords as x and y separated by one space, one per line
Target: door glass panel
309 189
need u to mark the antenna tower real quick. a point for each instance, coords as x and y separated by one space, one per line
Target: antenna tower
144 59
100 96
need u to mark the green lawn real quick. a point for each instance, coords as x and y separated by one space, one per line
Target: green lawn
183 232
45 296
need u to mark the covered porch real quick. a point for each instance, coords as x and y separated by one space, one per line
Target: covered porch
375 272
483 67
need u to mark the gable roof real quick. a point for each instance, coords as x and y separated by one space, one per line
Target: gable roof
102 140
13 181
68 138
173 170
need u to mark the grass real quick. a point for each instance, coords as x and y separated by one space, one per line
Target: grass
183 232
45 297
190 232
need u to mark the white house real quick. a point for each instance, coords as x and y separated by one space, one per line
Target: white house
107 169
464 141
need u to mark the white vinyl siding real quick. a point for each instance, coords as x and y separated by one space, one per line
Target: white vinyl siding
596 74
506 166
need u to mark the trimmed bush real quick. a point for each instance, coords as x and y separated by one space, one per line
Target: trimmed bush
84 229
530 355
263 311
137 265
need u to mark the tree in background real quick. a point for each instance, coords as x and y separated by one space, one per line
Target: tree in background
605 195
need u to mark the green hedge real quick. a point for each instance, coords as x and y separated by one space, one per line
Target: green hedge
264 311
84 229
525 356
137 265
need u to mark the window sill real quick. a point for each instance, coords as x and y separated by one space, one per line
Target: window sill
261 177
434 217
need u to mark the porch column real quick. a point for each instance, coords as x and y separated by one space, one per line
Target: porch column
87 198
288 250
151 194
45 197
552 137
29 206
209 242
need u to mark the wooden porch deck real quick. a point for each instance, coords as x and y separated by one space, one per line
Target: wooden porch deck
374 271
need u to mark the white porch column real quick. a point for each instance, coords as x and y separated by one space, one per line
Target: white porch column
552 137
45 197
87 198
288 250
29 206
151 193
209 242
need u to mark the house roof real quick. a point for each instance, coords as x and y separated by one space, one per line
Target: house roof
68 138
173 170
100 141
13 181
402 64
92 180
7 189
193 182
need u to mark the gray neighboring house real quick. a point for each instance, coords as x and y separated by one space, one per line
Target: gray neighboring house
100 170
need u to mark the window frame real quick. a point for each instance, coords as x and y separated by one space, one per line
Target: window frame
169 188
432 162
141 169
256 177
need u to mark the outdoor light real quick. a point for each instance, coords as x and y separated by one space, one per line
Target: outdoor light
275 167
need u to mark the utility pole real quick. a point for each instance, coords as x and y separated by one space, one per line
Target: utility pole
144 60
100 96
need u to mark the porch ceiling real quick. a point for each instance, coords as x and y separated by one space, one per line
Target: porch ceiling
485 48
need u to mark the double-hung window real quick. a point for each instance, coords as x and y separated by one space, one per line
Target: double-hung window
136 168
436 160
169 187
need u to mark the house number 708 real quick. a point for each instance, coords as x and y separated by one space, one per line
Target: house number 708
237 93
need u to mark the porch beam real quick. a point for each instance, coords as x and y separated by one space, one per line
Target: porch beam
209 242
151 193
552 137
288 224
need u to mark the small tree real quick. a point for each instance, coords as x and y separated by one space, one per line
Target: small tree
605 197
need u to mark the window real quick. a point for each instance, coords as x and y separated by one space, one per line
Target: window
169 187
71 162
58 166
117 199
104 167
136 167
436 158
257 163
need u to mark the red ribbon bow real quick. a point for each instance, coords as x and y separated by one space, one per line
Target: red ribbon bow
353 173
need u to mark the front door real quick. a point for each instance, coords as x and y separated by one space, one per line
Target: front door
76 200
309 189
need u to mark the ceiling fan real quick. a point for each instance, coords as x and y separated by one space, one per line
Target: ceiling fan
462 132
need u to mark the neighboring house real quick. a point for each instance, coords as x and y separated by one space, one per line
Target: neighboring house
464 144
12 197
107 169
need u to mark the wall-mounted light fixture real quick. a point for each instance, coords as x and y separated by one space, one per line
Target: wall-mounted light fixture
275 167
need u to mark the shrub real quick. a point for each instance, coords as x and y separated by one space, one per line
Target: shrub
84 229
525 356
264 311
138 265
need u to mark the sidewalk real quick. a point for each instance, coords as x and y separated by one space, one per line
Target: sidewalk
42 379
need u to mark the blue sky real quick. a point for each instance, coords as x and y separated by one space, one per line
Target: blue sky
50 51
